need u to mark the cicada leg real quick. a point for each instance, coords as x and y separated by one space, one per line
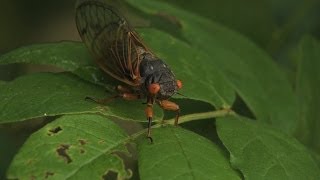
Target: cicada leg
149 114
170 106
164 104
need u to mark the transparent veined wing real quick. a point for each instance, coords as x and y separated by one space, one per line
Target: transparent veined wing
115 45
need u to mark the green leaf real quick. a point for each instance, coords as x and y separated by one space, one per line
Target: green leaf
180 154
222 95
307 90
72 147
262 152
244 66
49 94
72 56
66 55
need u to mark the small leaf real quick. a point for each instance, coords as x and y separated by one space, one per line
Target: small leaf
307 90
72 147
49 94
262 152
180 154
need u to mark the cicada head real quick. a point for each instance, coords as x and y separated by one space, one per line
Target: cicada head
158 79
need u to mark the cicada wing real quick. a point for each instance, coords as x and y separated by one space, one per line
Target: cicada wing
107 34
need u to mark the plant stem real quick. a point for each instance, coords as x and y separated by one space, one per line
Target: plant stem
187 118
199 116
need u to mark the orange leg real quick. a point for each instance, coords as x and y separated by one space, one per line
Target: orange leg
170 106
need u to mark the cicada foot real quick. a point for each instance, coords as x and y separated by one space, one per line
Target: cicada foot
150 139
149 114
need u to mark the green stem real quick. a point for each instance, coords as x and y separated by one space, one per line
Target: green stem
199 116
187 118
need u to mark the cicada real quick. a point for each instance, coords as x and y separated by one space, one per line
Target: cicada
121 53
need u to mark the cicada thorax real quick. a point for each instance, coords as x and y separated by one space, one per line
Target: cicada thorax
155 71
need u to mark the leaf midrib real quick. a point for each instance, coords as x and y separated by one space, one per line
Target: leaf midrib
184 154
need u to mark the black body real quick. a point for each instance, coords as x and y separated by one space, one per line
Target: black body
154 70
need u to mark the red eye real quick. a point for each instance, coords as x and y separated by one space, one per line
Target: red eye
154 88
179 84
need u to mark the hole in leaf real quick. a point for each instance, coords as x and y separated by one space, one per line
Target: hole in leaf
82 151
48 174
82 142
62 152
54 131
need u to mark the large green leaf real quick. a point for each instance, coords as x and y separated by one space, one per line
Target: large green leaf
211 88
66 55
308 92
180 154
72 147
248 69
262 152
49 94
